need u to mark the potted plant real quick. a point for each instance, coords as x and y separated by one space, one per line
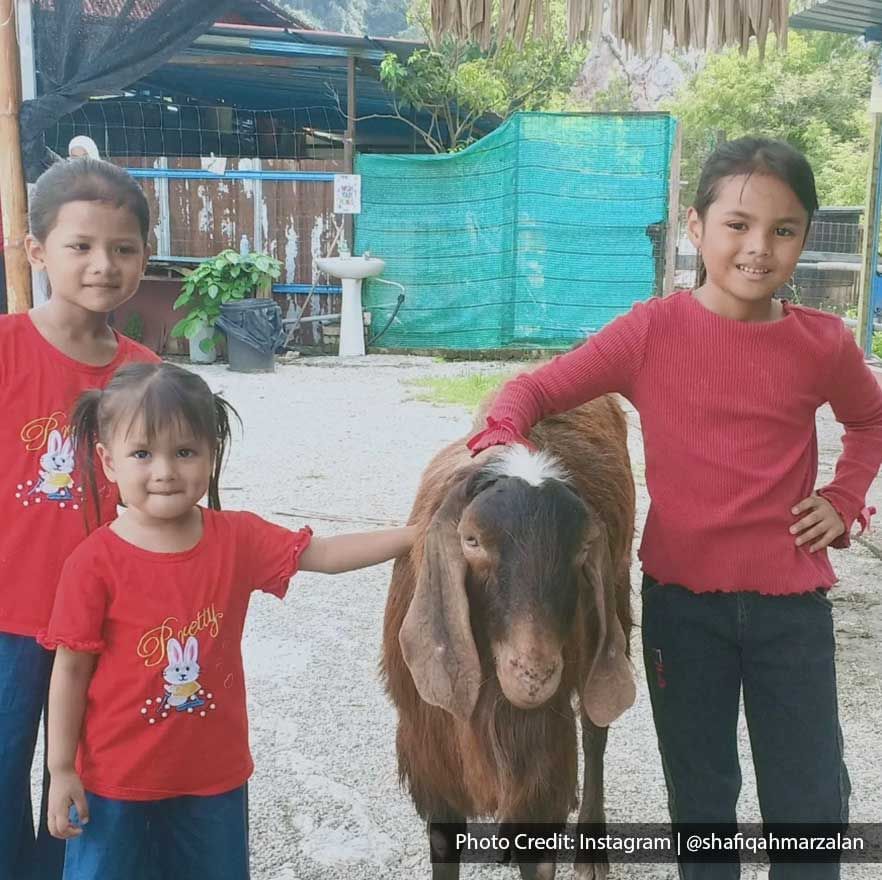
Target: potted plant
224 278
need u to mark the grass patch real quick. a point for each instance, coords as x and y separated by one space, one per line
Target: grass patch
467 391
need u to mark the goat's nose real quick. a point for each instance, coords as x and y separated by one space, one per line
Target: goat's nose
534 674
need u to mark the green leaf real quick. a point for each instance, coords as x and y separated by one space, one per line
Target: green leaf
180 328
209 344
454 80
225 277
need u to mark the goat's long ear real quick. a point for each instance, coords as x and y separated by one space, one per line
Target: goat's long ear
608 689
436 635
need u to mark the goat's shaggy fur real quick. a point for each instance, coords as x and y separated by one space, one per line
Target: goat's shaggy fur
503 761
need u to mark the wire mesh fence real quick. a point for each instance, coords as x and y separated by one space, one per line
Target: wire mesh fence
164 127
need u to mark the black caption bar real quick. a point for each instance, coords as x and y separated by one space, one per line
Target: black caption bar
659 844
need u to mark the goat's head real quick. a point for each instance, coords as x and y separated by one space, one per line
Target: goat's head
516 553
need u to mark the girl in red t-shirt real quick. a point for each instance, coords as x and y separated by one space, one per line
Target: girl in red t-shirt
727 380
148 691
89 223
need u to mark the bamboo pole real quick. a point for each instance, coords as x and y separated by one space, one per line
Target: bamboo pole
869 258
13 192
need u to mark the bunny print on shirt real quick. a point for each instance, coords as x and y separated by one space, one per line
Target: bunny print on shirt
182 690
181 685
55 479
56 469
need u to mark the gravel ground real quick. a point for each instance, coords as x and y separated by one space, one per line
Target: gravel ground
346 440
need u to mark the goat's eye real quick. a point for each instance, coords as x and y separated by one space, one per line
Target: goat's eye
470 541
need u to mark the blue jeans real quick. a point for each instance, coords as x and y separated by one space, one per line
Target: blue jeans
25 668
178 837
700 651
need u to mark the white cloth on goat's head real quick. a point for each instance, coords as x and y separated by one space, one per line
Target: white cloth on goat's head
532 467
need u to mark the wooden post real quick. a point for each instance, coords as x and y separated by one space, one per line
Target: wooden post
13 192
349 141
870 256
673 229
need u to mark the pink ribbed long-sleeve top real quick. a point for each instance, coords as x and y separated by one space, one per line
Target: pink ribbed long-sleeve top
728 415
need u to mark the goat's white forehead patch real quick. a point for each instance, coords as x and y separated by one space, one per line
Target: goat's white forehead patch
532 467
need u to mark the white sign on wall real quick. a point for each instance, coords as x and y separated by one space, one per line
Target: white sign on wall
347 193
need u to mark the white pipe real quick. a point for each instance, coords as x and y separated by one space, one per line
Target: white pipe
384 281
853 322
836 266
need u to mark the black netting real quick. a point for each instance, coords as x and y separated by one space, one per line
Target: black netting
86 48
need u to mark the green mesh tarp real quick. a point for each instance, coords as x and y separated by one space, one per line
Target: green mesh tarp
534 237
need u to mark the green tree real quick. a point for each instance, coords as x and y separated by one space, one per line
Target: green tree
814 96
456 83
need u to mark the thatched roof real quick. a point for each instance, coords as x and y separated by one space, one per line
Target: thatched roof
640 24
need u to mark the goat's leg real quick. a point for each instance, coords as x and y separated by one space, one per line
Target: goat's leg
540 871
544 870
443 851
591 812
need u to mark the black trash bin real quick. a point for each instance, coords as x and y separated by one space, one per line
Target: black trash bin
254 330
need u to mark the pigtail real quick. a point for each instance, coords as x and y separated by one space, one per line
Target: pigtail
84 431
223 411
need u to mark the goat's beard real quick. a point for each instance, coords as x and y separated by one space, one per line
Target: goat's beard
532 753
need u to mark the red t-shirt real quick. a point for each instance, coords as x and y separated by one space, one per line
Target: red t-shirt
41 517
165 712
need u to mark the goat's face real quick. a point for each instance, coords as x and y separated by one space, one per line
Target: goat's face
516 554
524 545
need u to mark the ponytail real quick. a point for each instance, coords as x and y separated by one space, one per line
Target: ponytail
84 431
222 410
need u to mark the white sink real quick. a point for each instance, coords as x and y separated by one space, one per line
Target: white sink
351 267
351 270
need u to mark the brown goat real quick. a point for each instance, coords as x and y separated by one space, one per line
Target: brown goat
516 596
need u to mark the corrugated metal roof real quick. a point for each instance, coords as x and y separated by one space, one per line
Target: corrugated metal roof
327 43
861 17
216 69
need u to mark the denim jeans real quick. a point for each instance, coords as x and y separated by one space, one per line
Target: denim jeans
700 651
186 837
25 669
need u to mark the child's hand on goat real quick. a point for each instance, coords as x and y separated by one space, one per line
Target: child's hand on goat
820 523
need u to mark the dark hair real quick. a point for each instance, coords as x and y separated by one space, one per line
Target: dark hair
159 394
84 180
751 155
